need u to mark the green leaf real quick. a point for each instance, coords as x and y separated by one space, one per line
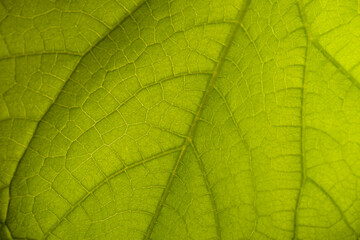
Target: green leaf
180 119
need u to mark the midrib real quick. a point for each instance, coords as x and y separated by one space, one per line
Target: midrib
194 124
302 116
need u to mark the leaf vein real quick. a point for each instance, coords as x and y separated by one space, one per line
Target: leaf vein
76 66
197 118
303 176
335 204
106 180
210 191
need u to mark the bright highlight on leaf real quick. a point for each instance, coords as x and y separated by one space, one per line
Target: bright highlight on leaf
169 120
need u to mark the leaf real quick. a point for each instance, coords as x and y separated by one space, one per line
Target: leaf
196 119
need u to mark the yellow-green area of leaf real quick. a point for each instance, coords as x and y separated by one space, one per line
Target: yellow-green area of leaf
180 119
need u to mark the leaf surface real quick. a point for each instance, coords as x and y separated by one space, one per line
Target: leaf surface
199 119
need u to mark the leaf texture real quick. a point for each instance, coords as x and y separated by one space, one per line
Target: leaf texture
179 119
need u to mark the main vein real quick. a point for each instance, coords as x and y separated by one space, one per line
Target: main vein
302 115
194 124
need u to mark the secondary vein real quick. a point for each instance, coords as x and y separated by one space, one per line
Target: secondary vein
75 68
210 191
106 181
